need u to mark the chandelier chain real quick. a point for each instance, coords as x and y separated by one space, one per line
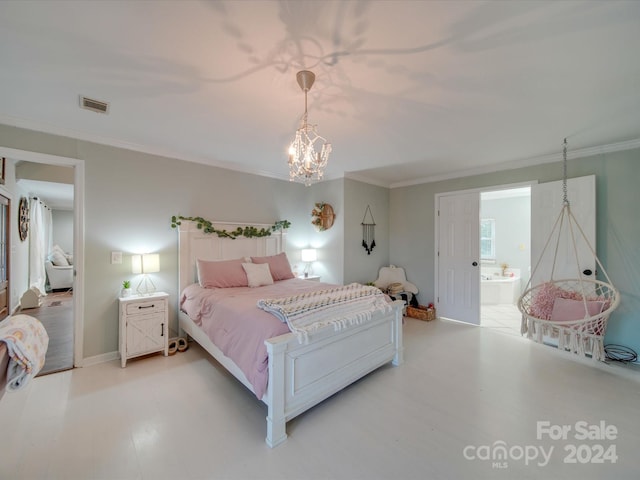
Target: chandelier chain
565 198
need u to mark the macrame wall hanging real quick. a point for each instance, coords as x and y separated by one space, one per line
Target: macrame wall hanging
368 231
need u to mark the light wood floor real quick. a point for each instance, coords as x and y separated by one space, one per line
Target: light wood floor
461 389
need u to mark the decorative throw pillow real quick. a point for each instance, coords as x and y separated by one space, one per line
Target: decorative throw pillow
542 304
58 257
221 274
278 264
258 274
567 310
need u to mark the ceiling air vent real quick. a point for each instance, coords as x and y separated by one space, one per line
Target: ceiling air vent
94 105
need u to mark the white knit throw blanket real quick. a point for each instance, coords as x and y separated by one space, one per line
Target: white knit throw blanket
340 307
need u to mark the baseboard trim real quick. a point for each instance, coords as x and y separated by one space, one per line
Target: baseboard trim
95 360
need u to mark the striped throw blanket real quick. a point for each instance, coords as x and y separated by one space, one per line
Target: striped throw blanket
340 307
27 342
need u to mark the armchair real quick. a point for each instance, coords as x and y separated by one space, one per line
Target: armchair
60 277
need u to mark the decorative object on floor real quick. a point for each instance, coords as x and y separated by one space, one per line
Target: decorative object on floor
574 310
248 232
407 298
183 345
323 216
32 298
392 274
422 312
309 255
23 218
368 231
305 164
145 264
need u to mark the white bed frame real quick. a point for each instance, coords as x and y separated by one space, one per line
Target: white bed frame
300 376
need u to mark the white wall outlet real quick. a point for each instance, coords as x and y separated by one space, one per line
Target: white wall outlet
116 258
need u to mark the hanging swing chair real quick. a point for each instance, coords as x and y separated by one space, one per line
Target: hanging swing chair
574 311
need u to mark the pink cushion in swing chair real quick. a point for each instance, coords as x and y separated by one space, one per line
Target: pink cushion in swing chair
545 297
567 310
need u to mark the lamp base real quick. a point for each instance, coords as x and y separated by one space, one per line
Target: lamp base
146 286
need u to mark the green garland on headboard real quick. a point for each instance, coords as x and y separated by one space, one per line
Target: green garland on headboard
249 232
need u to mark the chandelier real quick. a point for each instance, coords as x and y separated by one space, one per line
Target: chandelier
305 163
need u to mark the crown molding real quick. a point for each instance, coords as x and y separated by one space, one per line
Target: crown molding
116 143
169 153
528 162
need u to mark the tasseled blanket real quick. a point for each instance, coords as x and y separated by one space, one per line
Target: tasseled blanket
27 342
340 307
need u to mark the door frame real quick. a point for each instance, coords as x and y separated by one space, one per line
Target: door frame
436 229
78 235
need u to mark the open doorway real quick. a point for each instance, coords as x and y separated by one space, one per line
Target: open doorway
483 247
49 190
18 252
505 256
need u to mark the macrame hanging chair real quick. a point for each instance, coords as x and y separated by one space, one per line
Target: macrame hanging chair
574 311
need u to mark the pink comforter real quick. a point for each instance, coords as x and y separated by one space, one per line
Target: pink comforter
233 322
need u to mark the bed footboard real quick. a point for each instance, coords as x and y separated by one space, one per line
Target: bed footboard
301 376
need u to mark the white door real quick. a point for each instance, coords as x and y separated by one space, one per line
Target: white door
458 293
546 206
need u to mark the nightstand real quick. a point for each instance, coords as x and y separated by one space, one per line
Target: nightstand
313 278
144 325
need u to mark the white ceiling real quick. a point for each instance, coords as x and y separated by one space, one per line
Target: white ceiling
406 91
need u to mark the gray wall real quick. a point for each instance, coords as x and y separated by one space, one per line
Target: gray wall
131 196
329 243
358 266
412 221
62 229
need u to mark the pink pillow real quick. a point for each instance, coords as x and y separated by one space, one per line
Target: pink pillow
567 310
222 274
278 264
542 303
546 295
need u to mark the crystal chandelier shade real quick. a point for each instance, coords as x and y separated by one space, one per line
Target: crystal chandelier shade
307 160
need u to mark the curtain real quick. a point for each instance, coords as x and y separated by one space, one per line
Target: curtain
39 242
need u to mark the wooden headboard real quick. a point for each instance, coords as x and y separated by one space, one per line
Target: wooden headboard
193 244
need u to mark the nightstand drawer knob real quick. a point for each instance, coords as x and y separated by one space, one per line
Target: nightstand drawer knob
140 307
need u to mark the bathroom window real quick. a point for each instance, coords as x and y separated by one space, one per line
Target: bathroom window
488 240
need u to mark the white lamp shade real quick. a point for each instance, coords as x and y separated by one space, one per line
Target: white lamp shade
136 264
149 263
309 255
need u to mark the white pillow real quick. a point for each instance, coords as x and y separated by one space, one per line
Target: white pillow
57 257
258 274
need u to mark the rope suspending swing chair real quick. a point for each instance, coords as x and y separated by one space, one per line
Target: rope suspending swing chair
574 311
